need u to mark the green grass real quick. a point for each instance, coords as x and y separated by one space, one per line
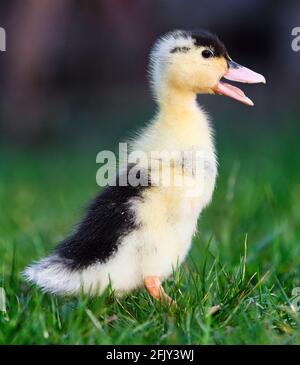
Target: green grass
255 210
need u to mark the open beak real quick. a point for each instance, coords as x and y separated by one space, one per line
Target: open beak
238 73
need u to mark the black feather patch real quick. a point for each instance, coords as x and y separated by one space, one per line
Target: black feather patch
207 39
108 219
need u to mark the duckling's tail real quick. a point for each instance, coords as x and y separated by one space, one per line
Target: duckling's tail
52 275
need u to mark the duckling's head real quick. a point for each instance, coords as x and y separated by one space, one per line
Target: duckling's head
195 61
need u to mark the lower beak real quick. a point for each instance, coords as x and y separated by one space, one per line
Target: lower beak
238 73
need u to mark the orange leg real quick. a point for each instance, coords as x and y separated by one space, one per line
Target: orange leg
155 289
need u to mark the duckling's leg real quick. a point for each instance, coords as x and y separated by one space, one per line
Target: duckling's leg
155 289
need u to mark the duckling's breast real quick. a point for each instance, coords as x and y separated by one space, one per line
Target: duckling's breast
167 216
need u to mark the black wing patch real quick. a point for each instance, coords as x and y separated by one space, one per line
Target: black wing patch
108 218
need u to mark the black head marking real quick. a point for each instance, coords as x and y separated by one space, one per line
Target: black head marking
206 39
180 49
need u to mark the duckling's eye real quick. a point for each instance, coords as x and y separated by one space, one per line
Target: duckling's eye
207 53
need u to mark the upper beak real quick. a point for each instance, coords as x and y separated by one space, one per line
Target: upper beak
238 73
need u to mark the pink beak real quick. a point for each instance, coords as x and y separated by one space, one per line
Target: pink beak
238 73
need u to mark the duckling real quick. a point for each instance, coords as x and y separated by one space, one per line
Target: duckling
135 235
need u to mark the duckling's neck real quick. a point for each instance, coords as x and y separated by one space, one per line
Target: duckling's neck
181 117
177 102
180 124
